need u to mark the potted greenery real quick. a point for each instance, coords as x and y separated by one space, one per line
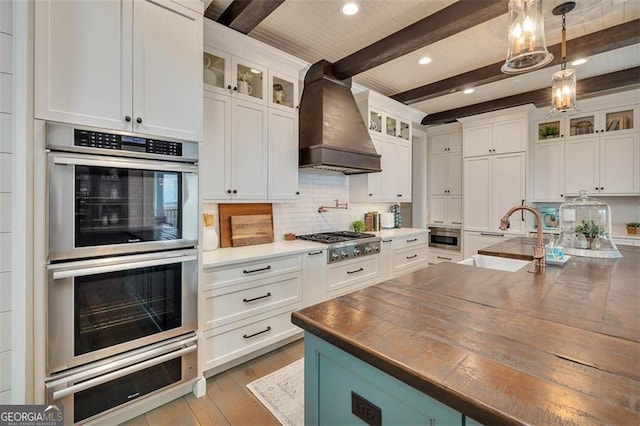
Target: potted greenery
633 228
590 230
548 131
358 226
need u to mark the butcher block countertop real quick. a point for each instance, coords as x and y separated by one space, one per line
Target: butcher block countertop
560 347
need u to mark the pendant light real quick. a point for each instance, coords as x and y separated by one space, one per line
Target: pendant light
527 48
563 82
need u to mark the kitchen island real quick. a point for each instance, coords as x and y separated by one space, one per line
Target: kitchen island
558 347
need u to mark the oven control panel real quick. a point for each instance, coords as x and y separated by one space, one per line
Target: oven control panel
93 139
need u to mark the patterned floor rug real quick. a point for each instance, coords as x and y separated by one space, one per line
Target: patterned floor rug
282 392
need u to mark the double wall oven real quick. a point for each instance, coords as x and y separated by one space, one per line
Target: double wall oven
122 267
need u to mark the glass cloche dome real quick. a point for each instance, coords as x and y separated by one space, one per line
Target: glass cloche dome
585 228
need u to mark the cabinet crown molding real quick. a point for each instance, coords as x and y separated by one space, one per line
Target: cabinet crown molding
508 113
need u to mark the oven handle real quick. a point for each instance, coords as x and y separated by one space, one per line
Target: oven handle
129 164
121 373
81 272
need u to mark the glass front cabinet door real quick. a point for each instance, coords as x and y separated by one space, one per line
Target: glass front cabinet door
283 91
583 125
216 70
249 80
549 130
622 119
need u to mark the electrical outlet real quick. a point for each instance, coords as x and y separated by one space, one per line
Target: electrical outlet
365 410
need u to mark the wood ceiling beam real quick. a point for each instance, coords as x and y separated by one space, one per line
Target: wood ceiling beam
586 88
591 44
451 20
245 15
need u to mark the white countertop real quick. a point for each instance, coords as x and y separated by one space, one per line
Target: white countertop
224 256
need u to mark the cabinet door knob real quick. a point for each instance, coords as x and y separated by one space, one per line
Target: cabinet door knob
297 192
562 195
602 188
229 87
235 88
127 118
370 195
228 191
235 191
139 120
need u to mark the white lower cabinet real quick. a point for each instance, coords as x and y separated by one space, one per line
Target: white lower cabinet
350 275
314 277
410 253
247 306
438 256
385 260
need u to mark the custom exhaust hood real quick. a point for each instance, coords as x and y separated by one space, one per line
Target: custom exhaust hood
332 133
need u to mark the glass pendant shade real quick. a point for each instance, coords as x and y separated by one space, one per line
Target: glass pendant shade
527 47
563 92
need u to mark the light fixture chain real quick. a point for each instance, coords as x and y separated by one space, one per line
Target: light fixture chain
564 43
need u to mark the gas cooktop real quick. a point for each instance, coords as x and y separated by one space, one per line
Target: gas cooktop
335 236
345 245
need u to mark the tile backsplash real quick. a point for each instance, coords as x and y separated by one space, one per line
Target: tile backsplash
317 188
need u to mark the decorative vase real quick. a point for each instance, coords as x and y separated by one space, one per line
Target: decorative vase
209 238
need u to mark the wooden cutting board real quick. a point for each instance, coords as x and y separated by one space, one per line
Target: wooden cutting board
248 230
228 210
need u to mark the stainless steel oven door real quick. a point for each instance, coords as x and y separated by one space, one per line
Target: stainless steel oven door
101 307
100 205
445 238
98 388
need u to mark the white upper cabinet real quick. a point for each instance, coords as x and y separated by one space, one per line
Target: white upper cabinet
445 174
251 116
497 132
122 65
390 130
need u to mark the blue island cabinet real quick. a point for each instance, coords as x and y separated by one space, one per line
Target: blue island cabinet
340 389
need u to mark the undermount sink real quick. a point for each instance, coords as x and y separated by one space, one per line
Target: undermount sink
494 262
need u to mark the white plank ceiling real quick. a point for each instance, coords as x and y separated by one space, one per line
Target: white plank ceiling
315 29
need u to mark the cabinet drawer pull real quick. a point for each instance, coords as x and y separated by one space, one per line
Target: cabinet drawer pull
249 336
387 241
266 268
412 240
438 221
313 253
444 258
456 223
357 270
491 234
412 257
245 300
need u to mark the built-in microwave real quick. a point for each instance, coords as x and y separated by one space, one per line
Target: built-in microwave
445 238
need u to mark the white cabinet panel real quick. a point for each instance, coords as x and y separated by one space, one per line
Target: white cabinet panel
477 192
5 291
508 189
6 17
6 172
6 132
548 171
249 150
438 174
454 174
619 163
314 277
215 150
6 205
6 53
403 172
454 209
5 331
510 136
283 156
581 165
477 140
6 93
5 370
438 209
84 62
474 241
167 73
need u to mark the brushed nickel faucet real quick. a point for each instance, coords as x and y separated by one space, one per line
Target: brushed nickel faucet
538 249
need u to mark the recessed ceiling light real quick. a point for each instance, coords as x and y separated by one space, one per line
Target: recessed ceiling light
579 62
424 60
468 91
349 8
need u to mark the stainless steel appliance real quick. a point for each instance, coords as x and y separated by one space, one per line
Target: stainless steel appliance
101 307
445 238
345 245
104 386
122 267
114 193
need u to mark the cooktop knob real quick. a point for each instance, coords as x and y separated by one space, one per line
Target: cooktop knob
367 250
357 252
334 256
344 254
376 248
